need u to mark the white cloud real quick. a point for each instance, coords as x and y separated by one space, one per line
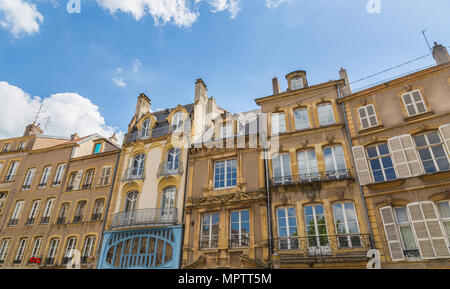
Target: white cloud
220 5
20 17
120 74
119 82
68 112
275 3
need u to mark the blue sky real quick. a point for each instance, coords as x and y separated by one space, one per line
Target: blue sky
109 58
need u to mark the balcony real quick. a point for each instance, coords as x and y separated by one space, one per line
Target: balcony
323 246
42 185
87 186
69 188
30 221
26 187
49 261
137 135
207 243
235 242
45 220
56 183
15 262
96 217
13 222
77 219
311 178
61 220
170 168
145 217
132 174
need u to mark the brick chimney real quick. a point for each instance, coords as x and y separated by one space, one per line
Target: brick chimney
201 91
32 129
276 86
143 105
346 89
440 54
113 138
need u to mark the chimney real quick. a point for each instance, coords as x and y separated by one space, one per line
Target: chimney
440 54
32 129
142 105
74 136
276 86
346 90
201 91
113 138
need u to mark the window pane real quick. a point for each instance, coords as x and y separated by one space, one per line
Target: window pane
444 209
402 215
372 152
420 140
325 114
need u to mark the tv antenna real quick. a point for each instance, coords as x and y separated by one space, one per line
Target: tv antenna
47 122
426 40
38 113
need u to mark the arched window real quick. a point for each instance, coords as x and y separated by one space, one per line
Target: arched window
177 121
131 201
168 198
138 165
173 159
146 127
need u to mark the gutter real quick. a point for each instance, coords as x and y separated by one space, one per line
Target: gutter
269 204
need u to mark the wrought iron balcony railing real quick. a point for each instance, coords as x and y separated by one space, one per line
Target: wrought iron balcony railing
170 168
56 183
311 178
96 217
207 243
61 220
26 187
13 222
69 188
87 186
134 174
49 261
17 261
30 221
45 220
137 135
325 245
145 217
239 241
77 219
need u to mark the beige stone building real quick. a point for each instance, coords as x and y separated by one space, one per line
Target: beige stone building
54 199
400 133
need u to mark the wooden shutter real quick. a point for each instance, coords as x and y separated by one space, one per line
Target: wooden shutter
404 156
392 236
428 231
445 133
362 166
77 181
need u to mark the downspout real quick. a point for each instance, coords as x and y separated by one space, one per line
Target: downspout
269 203
182 209
107 207
361 191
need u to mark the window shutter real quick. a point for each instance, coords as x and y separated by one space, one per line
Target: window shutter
445 133
404 155
361 165
390 229
77 181
427 228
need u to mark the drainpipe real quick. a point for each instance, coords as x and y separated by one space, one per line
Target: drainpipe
107 207
269 203
183 225
361 191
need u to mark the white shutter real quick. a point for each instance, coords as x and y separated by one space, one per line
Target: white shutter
428 231
445 133
362 166
404 156
392 236
77 181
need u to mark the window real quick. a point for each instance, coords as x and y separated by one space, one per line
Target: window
177 121
367 116
59 174
225 174
444 214
4 250
98 210
131 201
36 248
410 249
1 166
71 183
48 208
45 175
168 198
282 169
138 165
432 152
105 176
307 165
334 162
287 228
240 228
11 171
414 103
326 115
63 213
88 248
146 125
297 82
3 196
301 119
28 179
173 159
20 251
88 178
33 212
6 147
16 213
79 214
210 231
316 230
54 243
21 146
71 244
381 163
278 123
98 148
346 224
226 130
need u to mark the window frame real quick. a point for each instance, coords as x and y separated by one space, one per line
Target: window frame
44 177
400 235
330 105
429 147
442 219
240 234
414 102
4 249
285 178
12 170
367 116
35 251
297 119
379 157
23 242
210 236
281 123
225 174
28 180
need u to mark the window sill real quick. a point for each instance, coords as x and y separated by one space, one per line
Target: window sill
371 129
419 116
386 184
436 176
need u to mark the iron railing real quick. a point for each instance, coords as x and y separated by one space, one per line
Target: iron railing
45 220
325 245
61 220
77 219
137 135
242 242
207 243
87 186
26 187
145 217
56 183
13 222
30 221
134 174
170 168
96 217
49 260
311 178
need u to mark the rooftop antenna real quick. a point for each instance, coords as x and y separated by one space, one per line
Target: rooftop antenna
47 122
38 113
424 36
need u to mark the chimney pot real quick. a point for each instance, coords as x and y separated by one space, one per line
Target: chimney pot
276 86
440 54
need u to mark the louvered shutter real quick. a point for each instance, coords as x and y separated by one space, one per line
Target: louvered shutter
427 228
362 166
445 133
392 236
77 181
404 155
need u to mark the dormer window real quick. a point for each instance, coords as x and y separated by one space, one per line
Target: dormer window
6 147
21 146
177 121
146 125
297 82
98 148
